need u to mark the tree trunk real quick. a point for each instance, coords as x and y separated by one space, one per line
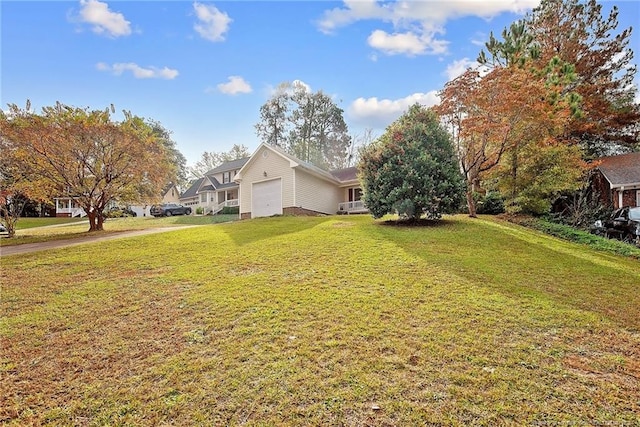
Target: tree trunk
471 204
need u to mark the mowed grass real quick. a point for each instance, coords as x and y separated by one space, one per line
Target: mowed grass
24 223
322 321
33 230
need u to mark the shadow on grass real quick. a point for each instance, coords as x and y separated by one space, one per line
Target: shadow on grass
253 230
412 222
521 263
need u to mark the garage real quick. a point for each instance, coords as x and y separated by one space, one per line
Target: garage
266 198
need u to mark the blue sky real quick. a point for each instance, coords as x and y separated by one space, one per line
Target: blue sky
203 69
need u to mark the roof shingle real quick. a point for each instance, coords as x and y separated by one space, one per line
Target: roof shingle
621 170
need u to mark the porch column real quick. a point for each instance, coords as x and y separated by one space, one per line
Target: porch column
620 198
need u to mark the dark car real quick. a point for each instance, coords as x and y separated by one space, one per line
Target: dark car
623 224
169 209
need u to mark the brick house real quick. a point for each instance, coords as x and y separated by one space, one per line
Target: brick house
617 180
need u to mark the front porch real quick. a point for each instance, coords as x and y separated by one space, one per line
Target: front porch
213 202
67 207
354 207
355 203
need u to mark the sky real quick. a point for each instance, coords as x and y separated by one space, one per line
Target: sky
204 69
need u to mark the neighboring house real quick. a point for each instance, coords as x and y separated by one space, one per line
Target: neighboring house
270 182
617 179
68 206
273 182
216 190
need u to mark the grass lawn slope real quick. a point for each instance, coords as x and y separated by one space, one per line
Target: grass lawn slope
322 321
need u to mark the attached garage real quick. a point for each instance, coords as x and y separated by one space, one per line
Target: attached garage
266 198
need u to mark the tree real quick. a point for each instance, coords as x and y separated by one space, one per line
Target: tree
84 154
412 169
272 127
578 33
212 159
575 33
176 157
309 125
16 189
497 118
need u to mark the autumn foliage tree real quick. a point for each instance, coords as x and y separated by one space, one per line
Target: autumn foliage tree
578 33
498 120
16 187
412 169
86 155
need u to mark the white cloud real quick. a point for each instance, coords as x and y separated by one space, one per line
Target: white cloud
405 43
104 21
457 68
379 113
212 24
138 71
479 39
286 87
417 25
234 86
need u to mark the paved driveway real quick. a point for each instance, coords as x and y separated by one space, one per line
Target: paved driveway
89 238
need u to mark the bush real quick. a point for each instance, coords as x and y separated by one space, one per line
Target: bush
199 210
230 210
490 203
412 169
572 234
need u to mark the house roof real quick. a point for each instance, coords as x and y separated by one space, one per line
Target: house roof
621 170
346 174
228 166
192 191
297 163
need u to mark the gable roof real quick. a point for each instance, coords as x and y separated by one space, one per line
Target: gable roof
621 170
294 162
192 191
228 166
346 174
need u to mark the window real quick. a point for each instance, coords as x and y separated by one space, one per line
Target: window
226 177
355 194
203 198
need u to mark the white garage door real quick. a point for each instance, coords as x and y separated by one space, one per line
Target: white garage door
266 198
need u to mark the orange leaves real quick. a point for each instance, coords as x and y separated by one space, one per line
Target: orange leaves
99 160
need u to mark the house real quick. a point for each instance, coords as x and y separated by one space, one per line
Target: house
273 182
617 179
216 190
68 207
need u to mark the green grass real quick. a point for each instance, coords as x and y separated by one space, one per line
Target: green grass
322 321
41 233
572 234
25 223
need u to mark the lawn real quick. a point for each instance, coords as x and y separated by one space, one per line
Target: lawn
322 321
33 230
24 223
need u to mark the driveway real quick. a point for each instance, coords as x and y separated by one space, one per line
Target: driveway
89 238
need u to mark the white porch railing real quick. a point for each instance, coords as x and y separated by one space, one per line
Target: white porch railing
73 212
227 203
352 207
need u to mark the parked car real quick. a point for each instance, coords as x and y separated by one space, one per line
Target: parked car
169 209
623 224
3 229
